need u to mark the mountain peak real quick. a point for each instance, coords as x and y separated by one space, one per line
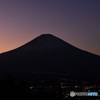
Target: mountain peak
45 42
46 34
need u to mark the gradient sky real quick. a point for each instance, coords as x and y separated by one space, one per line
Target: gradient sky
75 21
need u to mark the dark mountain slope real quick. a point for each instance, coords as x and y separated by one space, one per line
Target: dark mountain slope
49 53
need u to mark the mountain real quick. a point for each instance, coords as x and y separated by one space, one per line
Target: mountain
48 53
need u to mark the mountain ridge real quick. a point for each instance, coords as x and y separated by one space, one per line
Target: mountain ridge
46 36
49 56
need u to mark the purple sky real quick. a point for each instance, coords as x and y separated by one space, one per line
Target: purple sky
75 21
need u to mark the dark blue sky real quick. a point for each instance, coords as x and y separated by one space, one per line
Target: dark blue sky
75 21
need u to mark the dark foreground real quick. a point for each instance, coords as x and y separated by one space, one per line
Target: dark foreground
61 91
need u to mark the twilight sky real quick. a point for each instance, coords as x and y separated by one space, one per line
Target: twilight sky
75 21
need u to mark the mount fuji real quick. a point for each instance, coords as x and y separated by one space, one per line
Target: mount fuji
48 53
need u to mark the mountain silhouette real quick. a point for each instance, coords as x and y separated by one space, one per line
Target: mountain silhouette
48 53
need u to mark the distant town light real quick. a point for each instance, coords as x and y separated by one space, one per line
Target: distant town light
76 86
31 87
